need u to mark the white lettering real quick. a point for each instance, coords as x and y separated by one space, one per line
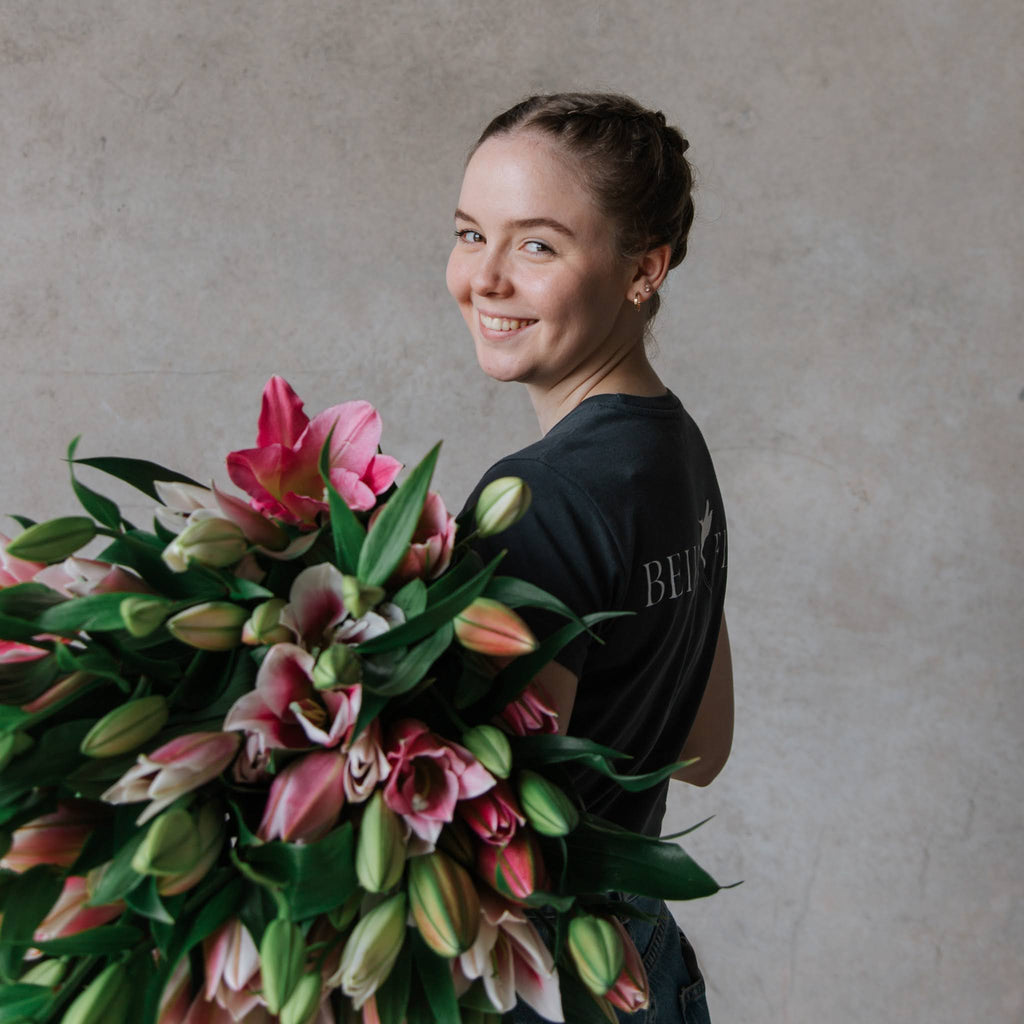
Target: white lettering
652 581
675 573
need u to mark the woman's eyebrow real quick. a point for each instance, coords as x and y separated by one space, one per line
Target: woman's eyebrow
527 222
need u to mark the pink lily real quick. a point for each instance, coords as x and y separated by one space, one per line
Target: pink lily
174 1000
366 765
55 838
15 570
494 815
305 799
316 605
70 915
232 964
511 958
428 777
531 712
281 473
285 710
432 543
180 766
13 653
631 991
80 577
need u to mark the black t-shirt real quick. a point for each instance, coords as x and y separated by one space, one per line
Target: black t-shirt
626 514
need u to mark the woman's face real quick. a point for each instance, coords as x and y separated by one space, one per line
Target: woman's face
535 270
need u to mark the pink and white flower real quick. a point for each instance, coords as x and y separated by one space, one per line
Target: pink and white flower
428 777
494 816
71 915
366 765
287 711
232 964
533 711
281 474
305 799
433 541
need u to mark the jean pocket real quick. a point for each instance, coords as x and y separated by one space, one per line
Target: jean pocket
693 1001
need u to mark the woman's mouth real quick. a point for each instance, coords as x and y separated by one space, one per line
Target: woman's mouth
502 324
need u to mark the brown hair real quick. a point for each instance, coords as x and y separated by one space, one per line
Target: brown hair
631 161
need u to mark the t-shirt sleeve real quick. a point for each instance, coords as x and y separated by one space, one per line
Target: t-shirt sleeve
562 545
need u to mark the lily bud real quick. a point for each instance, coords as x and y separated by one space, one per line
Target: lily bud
337 667
547 807
106 999
282 954
53 540
125 728
210 541
501 504
597 951
67 686
304 1001
631 991
359 597
490 627
56 838
264 625
11 745
142 615
445 904
47 973
209 828
171 846
380 847
210 626
341 917
489 746
371 951
516 869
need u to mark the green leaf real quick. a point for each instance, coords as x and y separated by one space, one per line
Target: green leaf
120 878
19 1002
140 473
246 590
389 537
415 665
346 530
141 551
393 996
312 877
509 683
19 630
36 892
435 976
145 900
96 613
102 941
371 706
412 598
102 509
48 763
578 1005
600 861
435 616
517 593
27 600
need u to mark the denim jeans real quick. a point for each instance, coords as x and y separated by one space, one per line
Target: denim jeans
677 993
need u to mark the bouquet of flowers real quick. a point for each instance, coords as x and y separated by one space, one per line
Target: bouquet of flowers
284 758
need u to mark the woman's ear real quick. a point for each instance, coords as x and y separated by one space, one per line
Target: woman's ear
653 266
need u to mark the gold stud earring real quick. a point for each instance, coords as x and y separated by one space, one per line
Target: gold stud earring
647 287
636 302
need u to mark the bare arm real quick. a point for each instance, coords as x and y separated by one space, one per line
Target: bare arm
710 738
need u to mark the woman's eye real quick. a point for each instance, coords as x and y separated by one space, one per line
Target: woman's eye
468 235
538 247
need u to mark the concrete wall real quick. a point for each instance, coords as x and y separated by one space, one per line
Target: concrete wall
197 195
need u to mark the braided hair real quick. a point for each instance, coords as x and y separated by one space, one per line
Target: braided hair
631 161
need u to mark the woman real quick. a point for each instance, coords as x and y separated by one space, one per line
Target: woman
573 209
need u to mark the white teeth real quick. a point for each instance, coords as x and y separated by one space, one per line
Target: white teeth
500 324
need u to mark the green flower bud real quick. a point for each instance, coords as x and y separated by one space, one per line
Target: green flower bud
380 847
11 745
171 846
210 541
47 973
126 727
264 625
359 597
501 504
210 626
106 999
489 746
444 902
209 827
304 1001
53 540
142 615
337 666
596 951
371 950
341 917
282 955
547 807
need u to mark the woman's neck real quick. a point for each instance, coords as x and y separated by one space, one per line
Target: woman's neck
630 375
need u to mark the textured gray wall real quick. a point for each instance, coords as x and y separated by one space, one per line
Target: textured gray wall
197 195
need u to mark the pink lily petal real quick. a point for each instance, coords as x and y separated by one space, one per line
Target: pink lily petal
15 570
315 604
305 799
381 473
354 492
282 419
258 529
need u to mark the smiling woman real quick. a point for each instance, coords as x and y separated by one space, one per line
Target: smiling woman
572 211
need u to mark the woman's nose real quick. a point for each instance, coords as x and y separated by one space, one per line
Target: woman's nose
490 276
